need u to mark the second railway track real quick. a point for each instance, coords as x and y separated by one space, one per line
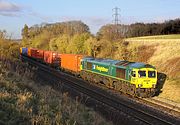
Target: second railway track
163 106
142 113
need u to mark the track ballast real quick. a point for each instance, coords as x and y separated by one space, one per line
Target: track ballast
140 113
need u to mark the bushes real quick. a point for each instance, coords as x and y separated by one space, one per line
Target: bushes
89 46
76 45
25 101
72 37
9 49
60 43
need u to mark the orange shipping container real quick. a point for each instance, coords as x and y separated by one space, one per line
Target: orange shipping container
71 62
29 52
52 58
35 53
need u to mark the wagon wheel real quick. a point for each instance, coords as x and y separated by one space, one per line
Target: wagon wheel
153 92
132 89
117 85
96 79
82 74
106 82
124 87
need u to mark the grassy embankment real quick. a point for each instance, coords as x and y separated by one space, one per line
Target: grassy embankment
163 52
23 100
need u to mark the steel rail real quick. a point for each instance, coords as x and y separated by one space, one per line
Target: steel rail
120 104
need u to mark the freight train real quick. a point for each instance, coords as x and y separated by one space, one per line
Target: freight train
132 78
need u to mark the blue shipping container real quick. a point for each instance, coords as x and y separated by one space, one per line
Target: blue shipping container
24 51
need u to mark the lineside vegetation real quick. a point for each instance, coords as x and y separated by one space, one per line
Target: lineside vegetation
26 100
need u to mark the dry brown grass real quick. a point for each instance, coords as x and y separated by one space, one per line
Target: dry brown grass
23 101
144 53
172 67
164 54
171 90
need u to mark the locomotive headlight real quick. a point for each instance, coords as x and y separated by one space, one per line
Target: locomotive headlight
139 85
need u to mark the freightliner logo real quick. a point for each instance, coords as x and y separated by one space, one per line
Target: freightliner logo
100 68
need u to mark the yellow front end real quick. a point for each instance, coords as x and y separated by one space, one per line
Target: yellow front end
144 77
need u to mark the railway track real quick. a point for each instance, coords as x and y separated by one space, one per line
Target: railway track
163 106
142 113
170 108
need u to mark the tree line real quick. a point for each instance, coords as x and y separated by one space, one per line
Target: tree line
109 32
70 28
149 29
75 37
113 32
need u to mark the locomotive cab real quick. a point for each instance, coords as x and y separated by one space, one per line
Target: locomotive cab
144 77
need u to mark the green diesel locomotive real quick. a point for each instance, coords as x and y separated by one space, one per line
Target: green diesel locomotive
137 79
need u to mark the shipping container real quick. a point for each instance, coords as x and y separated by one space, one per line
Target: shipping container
24 50
71 62
36 53
52 58
29 52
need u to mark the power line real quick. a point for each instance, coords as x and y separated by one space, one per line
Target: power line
116 15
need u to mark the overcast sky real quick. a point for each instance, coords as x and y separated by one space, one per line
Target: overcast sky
95 13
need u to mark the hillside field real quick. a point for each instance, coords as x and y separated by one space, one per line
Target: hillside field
163 52
158 37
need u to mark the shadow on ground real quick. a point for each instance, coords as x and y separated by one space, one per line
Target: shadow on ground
161 78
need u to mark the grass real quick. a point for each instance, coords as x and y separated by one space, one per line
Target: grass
164 53
24 101
157 37
171 90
